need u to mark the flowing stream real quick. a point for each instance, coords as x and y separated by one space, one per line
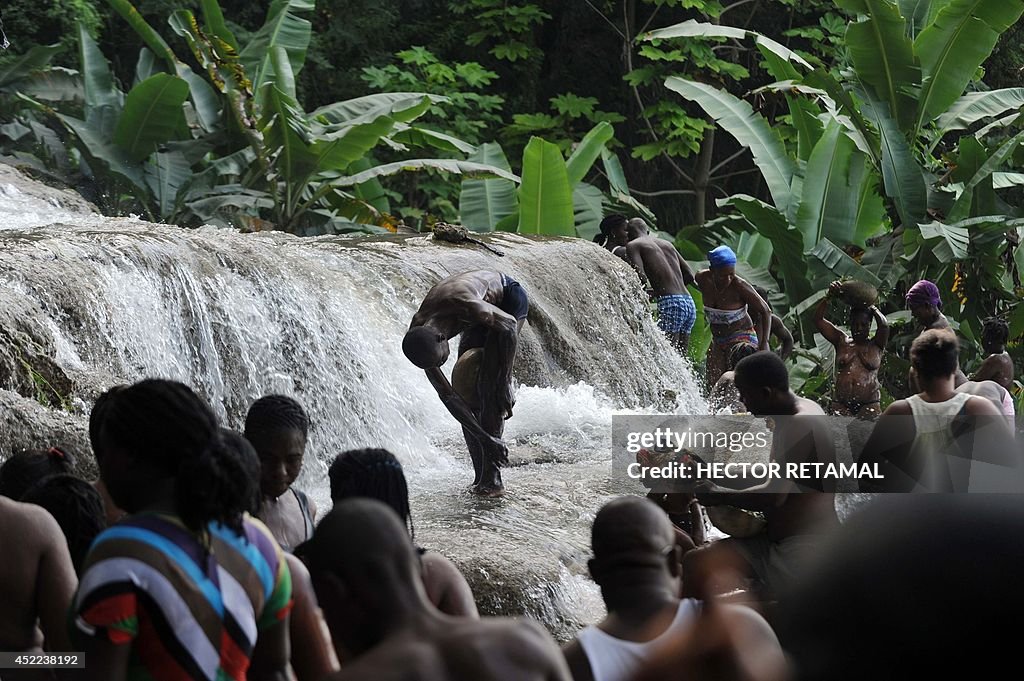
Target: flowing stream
87 302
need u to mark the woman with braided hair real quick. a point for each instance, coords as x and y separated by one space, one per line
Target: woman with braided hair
377 474
277 427
188 585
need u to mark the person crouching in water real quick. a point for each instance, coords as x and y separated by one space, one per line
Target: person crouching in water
659 263
858 358
277 427
730 307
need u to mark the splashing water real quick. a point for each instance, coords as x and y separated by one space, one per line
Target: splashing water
89 301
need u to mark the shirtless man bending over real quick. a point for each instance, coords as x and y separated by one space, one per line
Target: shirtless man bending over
488 309
367 576
858 358
658 262
37 581
730 306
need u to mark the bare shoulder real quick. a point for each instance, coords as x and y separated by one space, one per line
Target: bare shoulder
980 406
806 407
898 408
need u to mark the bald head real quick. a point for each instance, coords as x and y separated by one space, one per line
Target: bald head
630 525
361 538
636 228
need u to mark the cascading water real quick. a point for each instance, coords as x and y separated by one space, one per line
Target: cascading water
89 301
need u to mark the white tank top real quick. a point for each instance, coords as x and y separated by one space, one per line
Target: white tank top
933 422
612 659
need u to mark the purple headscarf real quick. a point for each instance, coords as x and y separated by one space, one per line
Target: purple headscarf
924 292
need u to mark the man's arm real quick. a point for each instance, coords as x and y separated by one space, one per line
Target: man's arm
882 334
888 447
760 308
458 408
688 277
636 260
55 585
780 331
832 334
499 354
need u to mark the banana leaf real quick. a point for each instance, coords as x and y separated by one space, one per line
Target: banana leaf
545 195
484 203
954 46
750 129
285 29
152 115
588 210
588 151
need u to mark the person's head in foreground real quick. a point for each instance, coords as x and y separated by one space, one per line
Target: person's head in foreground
277 427
924 302
860 323
722 263
365 570
425 347
995 333
635 551
77 508
763 384
162 449
27 468
934 356
375 474
907 585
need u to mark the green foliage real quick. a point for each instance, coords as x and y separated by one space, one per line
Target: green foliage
29 23
469 112
506 26
571 116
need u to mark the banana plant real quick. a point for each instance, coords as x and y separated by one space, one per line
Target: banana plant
867 136
553 198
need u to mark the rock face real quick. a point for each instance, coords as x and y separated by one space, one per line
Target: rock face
87 302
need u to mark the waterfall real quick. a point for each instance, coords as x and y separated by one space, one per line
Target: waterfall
89 301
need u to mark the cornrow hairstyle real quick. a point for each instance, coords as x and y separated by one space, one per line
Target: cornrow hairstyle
99 409
167 425
76 506
237 446
996 329
373 473
275 413
29 467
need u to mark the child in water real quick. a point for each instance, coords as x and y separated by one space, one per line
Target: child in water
277 427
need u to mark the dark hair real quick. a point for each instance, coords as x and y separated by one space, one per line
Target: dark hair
996 329
740 351
860 310
373 473
237 446
76 506
935 354
29 467
608 225
165 424
99 410
763 368
275 413
421 347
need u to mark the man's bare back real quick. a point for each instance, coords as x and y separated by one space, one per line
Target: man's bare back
456 649
37 582
454 304
659 261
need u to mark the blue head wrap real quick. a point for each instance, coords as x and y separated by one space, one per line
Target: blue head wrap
722 256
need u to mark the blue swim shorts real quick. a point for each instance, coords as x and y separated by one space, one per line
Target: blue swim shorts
676 313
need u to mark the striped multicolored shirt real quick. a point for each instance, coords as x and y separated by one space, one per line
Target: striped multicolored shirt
188 612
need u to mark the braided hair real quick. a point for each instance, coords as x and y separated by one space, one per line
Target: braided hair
373 473
76 506
275 413
29 467
166 425
995 329
608 225
99 410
